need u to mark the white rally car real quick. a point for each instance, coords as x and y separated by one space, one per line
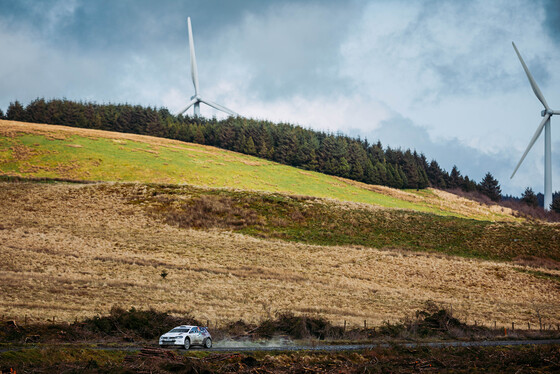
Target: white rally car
186 336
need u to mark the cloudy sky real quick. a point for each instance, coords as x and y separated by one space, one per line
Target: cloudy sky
437 76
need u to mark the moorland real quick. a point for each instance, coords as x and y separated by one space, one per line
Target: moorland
92 219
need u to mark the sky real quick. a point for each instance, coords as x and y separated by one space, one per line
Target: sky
440 77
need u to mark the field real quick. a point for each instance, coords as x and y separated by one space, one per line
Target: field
46 151
74 250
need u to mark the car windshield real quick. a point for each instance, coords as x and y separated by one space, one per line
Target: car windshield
179 329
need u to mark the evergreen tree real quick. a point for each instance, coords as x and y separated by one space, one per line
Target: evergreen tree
15 112
555 206
455 178
199 135
436 175
250 146
529 197
263 151
344 168
402 177
468 185
381 174
1 114
490 187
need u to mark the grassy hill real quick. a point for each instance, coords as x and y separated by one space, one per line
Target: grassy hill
246 238
74 250
46 151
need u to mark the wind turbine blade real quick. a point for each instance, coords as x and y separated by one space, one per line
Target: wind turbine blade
534 85
532 142
188 106
194 69
219 107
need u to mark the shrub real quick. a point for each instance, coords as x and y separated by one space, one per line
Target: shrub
298 327
147 324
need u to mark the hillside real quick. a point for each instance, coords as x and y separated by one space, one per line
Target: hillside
47 151
246 238
287 144
75 250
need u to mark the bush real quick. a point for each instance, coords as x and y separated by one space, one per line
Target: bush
147 324
298 327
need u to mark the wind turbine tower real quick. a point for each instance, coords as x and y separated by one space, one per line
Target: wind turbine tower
196 99
547 113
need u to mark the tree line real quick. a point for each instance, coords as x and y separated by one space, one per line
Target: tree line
334 154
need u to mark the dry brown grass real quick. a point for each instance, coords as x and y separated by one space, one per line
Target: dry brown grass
76 250
444 200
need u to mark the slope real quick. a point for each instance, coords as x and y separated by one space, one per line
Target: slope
75 250
47 151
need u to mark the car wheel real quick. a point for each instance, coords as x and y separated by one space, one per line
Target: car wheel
187 343
208 343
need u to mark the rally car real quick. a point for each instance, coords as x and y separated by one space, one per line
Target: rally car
185 336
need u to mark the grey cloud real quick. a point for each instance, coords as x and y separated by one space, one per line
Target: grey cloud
289 49
552 8
460 46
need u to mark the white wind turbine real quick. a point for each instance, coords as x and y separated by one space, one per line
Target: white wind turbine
545 123
196 99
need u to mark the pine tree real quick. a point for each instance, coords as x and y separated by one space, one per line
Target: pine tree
263 151
490 187
555 206
15 112
250 146
1 114
529 197
455 178
198 135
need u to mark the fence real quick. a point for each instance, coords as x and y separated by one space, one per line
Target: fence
345 324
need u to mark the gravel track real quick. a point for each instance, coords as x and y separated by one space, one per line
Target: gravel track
357 347
320 348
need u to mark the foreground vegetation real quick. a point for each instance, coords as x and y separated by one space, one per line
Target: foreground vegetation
511 359
146 326
74 250
28 351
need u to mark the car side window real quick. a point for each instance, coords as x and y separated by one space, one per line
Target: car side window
194 330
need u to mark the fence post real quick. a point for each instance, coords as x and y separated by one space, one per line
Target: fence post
344 329
512 326
528 326
208 323
505 331
365 324
495 325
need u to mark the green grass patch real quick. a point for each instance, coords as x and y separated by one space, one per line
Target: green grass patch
102 159
540 274
315 221
27 359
